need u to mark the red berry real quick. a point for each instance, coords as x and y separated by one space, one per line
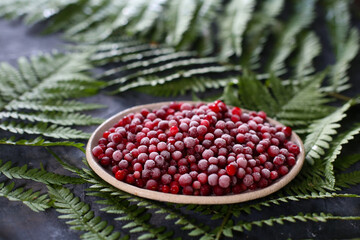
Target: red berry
174 188
231 169
287 131
120 175
151 185
273 151
97 151
197 150
236 111
173 130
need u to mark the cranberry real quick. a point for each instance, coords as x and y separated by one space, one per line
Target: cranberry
231 169
97 151
120 175
197 150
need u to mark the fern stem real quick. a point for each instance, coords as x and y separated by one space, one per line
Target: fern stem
339 96
277 201
226 218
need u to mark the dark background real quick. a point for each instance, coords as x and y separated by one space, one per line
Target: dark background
18 222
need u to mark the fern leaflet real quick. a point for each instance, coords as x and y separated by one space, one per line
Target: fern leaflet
315 217
335 151
42 85
81 218
38 175
321 133
33 200
40 142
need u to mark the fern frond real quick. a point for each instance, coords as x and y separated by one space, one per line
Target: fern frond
315 217
345 41
180 15
258 31
137 215
42 85
344 163
154 81
345 180
335 151
310 180
40 142
189 223
309 48
37 175
284 45
64 119
289 104
147 66
237 15
79 215
321 133
53 106
183 65
338 72
44 129
182 86
34 200
238 209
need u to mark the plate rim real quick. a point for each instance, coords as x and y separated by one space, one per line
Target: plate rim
181 198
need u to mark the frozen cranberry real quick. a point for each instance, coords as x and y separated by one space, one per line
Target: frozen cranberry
120 175
293 148
248 180
224 181
283 170
287 131
97 151
213 179
231 169
151 184
273 151
197 150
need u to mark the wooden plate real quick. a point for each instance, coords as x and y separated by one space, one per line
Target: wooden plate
179 198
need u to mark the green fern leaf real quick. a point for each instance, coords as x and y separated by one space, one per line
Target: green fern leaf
33 200
289 104
137 215
258 31
345 180
345 41
337 144
40 142
102 187
64 119
285 43
315 217
238 209
155 81
321 133
149 17
51 106
42 85
180 15
40 128
182 86
38 175
238 13
344 163
309 48
79 215
159 67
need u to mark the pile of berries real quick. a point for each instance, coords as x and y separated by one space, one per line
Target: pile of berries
200 149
